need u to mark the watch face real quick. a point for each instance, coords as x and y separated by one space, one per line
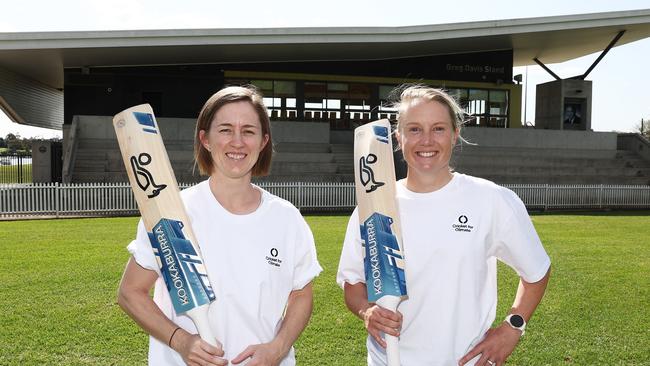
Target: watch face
517 321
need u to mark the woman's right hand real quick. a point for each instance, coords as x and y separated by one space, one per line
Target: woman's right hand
379 320
197 352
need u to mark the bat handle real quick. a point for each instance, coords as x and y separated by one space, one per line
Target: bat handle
199 316
392 350
392 346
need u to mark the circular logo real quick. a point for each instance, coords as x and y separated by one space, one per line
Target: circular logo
144 159
274 252
463 219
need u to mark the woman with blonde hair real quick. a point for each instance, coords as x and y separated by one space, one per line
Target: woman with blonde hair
455 227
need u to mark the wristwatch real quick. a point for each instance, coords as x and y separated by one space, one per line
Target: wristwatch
516 321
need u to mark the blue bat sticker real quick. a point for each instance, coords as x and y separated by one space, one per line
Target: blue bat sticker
381 133
181 267
146 120
384 261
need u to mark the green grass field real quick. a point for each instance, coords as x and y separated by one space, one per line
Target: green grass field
9 173
58 280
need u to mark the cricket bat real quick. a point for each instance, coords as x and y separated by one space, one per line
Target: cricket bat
156 192
379 221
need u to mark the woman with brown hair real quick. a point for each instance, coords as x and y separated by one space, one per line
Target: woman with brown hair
258 250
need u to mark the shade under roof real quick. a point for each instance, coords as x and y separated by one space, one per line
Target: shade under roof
43 56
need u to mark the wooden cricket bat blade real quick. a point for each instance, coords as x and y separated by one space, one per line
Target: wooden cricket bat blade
379 221
163 213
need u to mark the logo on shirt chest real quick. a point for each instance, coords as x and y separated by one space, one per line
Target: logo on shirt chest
462 224
273 258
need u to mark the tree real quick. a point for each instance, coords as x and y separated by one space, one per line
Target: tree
13 142
3 143
643 127
16 143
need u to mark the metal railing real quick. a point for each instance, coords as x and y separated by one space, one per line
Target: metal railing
574 196
112 199
15 168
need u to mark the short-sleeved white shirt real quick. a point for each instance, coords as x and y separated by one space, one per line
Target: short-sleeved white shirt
452 239
254 261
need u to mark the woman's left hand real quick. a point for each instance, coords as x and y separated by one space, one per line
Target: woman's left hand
497 346
265 354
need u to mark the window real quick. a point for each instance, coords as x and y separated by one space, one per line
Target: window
486 108
498 102
346 105
279 97
337 102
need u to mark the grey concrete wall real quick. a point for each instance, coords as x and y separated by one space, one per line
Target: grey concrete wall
183 129
548 105
536 138
300 132
101 127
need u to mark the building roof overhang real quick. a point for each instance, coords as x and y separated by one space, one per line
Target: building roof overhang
43 56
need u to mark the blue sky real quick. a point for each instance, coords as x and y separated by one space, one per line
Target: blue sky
620 81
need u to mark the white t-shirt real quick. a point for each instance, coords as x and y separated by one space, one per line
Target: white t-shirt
452 239
254 261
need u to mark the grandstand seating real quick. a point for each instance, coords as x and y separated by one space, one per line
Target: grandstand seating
501 155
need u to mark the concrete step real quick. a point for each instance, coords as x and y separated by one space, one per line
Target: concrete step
303 157
180 155
498 162
344 159
99 160
94 144
189 178
306 178
536 152
555 179
83 168
559 171
541 163
342 148
179 145
110 177
300 147
94 154
186 167
99 177
296 168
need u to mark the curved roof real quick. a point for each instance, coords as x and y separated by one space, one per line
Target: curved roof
42 56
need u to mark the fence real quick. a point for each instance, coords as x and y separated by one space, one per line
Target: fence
15 168
563 197
112 199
